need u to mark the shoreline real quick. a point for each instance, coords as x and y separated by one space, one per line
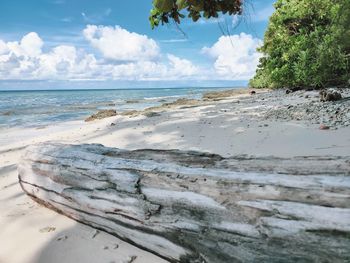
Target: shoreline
263 124
42 108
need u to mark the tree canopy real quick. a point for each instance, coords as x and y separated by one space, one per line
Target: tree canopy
166 10
307 44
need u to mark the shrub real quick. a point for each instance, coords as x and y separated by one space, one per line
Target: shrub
307 44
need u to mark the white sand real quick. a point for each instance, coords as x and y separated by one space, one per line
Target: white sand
225 127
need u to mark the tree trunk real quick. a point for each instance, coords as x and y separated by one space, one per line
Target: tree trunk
199 207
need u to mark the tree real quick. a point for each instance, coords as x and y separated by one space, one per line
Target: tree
307 44
166 10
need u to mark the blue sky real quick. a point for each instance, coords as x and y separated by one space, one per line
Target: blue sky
106 43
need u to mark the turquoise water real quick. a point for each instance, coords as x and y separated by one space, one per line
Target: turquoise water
39 108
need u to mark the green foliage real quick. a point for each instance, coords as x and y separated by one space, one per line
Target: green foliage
307 44
165 10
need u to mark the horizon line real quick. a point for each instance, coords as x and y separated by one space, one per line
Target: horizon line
104 89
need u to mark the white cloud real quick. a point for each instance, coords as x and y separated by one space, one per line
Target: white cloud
96 17
30 45
119 44
118 54
3 47
235 56
173 69
174 40
182 67
65 62
25 60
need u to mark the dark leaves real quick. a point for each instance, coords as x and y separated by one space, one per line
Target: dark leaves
164 10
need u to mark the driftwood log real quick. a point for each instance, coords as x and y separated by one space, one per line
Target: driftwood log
199 207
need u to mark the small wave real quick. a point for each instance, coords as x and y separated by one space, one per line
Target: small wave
82 107
164 97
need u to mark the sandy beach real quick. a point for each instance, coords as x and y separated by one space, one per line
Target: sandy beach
268 123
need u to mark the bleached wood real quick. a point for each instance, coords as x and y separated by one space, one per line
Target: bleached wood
198 207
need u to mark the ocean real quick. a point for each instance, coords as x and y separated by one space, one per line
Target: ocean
40 108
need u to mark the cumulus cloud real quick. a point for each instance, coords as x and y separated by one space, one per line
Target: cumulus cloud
119 44
25 60
30 45
235 56
173 68
3 47
118 54
65 62
182 67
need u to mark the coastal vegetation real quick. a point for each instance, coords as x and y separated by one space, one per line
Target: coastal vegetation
167 10
307 44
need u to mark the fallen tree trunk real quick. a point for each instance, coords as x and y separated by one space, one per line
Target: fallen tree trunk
198 207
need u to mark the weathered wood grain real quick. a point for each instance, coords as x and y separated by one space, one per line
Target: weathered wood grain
198 207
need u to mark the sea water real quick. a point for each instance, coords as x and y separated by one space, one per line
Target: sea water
40 108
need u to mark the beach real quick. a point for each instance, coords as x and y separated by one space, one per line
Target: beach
228 123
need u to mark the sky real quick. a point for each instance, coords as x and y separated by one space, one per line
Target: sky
50 44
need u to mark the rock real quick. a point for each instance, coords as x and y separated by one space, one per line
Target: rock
181 101
219 95
252 92
334 115
132 101
101 115
324 127
151 114
7 113
130 113
113 124
292 90
329 96
199 207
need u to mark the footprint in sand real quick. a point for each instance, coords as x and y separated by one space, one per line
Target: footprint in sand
47 229
62 238
96 232
130 259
